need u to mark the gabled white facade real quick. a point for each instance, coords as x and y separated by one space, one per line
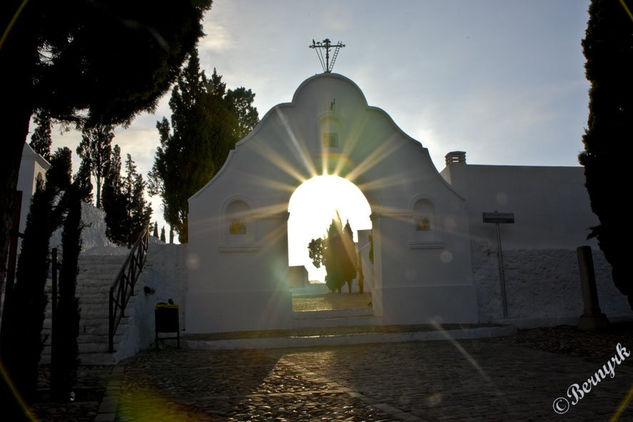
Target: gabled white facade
237 255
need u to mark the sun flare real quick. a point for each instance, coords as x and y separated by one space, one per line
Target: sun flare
312 207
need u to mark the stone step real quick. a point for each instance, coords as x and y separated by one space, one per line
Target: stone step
336 322
95 278
334 313
335 337
102 259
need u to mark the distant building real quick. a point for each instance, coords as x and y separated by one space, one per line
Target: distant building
33 167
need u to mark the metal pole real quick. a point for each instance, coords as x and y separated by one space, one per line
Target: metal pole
502 279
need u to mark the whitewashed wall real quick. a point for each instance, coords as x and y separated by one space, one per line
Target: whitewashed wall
552 218
543 286
164 272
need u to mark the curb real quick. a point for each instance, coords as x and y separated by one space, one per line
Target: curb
108 408
348 339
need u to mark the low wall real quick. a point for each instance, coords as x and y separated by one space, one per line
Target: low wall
542 285
165 273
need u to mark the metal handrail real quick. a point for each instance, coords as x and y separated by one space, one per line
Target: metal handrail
123 287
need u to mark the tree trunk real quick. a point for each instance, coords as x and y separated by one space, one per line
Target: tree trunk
99 192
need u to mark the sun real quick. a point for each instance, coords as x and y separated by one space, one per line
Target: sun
312 207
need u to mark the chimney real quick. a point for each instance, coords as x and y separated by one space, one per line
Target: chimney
455 157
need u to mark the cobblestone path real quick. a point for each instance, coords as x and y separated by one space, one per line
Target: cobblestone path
477 380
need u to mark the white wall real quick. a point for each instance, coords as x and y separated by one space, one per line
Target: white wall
552 218
550 204
543 286
165 273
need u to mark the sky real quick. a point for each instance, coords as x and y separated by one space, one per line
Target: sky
502 80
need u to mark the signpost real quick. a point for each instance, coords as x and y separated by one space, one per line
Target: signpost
498 218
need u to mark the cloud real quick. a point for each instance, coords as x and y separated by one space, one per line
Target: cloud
217 38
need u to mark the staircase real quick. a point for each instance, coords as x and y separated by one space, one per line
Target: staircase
96 275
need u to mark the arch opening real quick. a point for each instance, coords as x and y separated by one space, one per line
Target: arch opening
312 207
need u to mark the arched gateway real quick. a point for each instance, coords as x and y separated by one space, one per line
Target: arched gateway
237 256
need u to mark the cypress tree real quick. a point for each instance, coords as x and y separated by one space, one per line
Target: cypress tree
333 256
349 257
608 48
95 151
206 122
64 348
114 200
138 212
21 340
127 211
82 179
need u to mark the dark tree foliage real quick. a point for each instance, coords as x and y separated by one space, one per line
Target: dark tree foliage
41 138
139 212
240 102
95 150
206 122
82 179
608 48
113 200
21 342
84 61
162 235
316 250
127 211
333 256
64 348
338 253
349 260
155 231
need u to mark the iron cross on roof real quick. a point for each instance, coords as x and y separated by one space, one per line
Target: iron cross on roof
326 45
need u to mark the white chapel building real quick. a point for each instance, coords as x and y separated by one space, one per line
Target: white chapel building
433 256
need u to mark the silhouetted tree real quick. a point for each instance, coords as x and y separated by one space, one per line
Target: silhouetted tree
64 348
206 122
162 234
82 179
608 48
338 253
95 151
84 61
316 250
127 211
114 201
155 233
21 340
41 138
349 259
332 256
138 210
